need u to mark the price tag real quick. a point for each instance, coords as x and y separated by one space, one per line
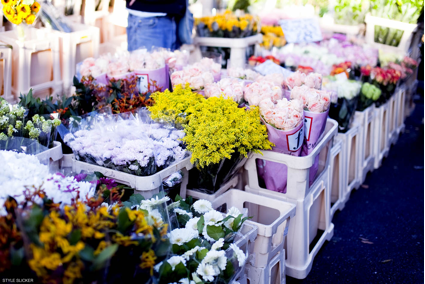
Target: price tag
269 67
341 77
301 30
143 82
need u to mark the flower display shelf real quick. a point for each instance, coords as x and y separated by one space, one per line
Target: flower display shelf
245 240
81 43
392 120
273 273
145 185
54 154
381 146
35 58
237 46
271 217
327 23
401 99
6 75
312 202
351 141
366 118
337 177
404 44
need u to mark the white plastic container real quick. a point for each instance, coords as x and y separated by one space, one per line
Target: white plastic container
367 152
381 147
81 43
6 73
337 177
392 120
66 161
54 154
352 158
245 240
312 202
145 185
327 23
401 99
404 44
35 59
273 273
271 217
237 46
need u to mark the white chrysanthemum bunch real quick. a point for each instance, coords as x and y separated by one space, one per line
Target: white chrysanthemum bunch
203 246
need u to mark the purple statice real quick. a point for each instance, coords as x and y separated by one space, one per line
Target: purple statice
80 177
110 183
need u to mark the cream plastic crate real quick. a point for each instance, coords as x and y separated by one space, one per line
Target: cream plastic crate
81 43
245 240
352 158
117 21
145 185
337 177
6 73
271 217
66 161
381 147
392 120
401 98
54 154
273 273
98 18
367 157
313 202
35 62
404 44
118 44
327 23
237 46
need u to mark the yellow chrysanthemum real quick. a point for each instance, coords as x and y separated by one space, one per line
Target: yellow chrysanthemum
35 7
8 12
15 20
23 11
7 3
30 19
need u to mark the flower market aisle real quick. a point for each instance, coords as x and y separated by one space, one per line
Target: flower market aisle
379 234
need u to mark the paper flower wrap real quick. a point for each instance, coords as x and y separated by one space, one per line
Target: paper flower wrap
285 128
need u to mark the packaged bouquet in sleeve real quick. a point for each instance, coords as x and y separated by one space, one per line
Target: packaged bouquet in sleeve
316 108
194 76
229 88
285 128
20 13
95 68
298 79
258 91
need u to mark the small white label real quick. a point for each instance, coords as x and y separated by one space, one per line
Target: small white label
301 30
341 77
295 140
307 125
143 83
269 67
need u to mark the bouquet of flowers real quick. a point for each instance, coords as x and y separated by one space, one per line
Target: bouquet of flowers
272 37
297 79
316 108
226 25
351 12
17 130
172 107
236 132
348 96
229 88
194 76
96 68
285 128
386 79
128 145
241 73
20 12
275 78
258 91
204 247
368 95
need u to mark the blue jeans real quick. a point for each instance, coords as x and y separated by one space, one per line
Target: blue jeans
151 32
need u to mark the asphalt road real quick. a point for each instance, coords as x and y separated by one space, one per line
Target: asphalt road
379 235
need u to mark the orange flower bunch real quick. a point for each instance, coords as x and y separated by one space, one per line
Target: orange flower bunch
20 11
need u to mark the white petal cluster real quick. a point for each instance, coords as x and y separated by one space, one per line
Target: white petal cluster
182 236
239 254
202 206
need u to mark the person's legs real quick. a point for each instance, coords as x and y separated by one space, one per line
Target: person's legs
150 32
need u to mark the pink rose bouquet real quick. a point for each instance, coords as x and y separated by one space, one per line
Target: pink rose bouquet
193 75
258 91
208 65
313 100
118 69
277 79
94 67
229 88
312 80
284 115
244 74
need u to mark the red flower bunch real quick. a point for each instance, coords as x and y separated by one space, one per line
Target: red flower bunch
341 68
385 76
305 69
365 70
409 62
255 60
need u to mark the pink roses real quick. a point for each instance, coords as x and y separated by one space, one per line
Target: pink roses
194 76
312 80
229 88
256 92
284 115
313 100
94 67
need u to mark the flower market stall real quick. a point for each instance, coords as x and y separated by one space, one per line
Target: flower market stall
220 163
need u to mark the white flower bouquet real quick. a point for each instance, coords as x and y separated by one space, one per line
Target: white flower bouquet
204 249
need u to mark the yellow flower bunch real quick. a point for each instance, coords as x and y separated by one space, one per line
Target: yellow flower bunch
20 11
172 106
218 128
228 21
272 36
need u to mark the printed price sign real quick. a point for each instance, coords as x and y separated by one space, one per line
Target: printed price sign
269 67
143 82
307 123
301 30
295 140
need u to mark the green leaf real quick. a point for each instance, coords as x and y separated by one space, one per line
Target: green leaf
105 194
163 248
104 256
123 221
74 237
99 175
165 270
136 199
67 102
200 255
200 224
178 198
192 244
16 256
215 232
87 253
183 219
229 271
236 222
